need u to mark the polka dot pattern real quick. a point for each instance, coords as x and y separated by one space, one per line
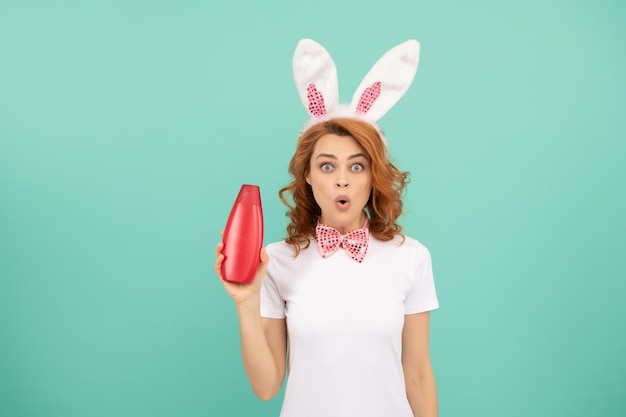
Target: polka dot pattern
330 239
316 101
369 96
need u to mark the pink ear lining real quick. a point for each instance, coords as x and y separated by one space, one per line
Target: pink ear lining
369 96
316 101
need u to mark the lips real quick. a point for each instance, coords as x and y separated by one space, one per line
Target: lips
342 202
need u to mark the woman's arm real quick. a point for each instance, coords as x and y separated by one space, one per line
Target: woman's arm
263 340
418 373
263 349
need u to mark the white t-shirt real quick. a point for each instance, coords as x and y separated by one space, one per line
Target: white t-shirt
344 322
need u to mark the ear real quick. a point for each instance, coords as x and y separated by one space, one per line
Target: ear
308 179
387 81
315 75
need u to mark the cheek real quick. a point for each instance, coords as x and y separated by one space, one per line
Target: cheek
314 183
367 184
367 190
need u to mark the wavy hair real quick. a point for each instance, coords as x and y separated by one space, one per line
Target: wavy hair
388 182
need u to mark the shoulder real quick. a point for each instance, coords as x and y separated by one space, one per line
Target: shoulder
417 247
280 248
285 252
402 245
284 264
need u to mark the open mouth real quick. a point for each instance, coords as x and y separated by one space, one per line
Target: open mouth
342 202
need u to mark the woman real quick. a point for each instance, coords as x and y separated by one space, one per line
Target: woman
346 291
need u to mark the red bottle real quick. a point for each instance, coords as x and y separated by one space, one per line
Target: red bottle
243 236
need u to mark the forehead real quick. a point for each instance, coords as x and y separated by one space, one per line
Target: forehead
337 145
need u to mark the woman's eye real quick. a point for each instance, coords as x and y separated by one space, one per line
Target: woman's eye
357 167
327 167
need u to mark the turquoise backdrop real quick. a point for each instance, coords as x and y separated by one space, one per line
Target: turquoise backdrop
127 128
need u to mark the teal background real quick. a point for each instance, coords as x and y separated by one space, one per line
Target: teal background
127 128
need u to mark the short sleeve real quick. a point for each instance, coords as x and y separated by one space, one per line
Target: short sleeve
422 295
272 304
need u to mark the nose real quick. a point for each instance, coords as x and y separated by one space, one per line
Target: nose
342 180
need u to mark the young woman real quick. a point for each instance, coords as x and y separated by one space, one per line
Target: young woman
345 293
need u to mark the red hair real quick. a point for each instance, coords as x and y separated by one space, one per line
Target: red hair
385 203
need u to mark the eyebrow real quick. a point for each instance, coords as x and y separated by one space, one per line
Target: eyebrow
331 156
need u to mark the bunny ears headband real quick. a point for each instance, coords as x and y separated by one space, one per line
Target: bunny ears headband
315 75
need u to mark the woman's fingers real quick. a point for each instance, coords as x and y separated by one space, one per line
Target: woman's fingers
241 291
219 258
260 273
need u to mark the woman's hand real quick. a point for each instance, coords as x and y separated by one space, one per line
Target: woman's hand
241 293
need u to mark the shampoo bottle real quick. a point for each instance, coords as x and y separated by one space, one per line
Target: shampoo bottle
243 236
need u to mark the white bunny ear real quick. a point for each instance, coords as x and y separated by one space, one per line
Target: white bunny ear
315 75
387 81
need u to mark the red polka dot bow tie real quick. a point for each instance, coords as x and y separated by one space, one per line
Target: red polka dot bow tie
330 239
